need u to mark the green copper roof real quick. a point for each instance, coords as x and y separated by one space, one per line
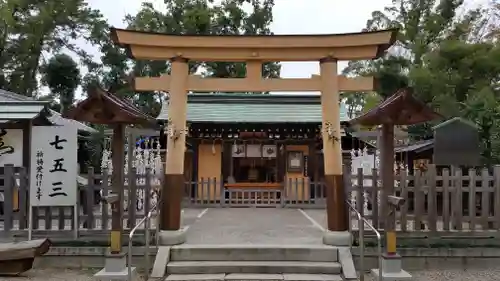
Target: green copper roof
14 106
254 108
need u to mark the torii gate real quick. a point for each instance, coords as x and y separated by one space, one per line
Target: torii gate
254 50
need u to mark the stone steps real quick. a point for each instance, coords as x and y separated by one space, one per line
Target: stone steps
248 262
253 253
251 277
258 267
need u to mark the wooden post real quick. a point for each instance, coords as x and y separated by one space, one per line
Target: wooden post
176 138
117 178
8 206
254 71
496 189
387 155
89 195
194 146
311 166
380 219
332 151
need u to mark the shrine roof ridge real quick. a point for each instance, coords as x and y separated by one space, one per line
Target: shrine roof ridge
401 108
25 102
254 108
456 119
244 98
103 107
22 105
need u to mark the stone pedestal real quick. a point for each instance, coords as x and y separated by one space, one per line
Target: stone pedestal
115 268
391 269
172 237
337 238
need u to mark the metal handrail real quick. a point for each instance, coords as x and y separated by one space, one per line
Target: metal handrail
361 225
146 221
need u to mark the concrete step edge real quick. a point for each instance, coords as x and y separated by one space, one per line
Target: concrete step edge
253 246
256 254
253 276
195 277
268 267
253 263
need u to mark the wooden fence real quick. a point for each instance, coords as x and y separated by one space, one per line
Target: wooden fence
293 193
94 218
436 201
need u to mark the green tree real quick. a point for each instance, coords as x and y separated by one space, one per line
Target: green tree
200 17
422 25
461 79
62 76
449 55
30 30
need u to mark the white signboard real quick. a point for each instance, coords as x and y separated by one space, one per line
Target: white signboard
239 150
269 151
53 166
11 147
254 151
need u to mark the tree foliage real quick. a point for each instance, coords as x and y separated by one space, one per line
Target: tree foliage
38 47
447 51
30 31
62 76
198 17
449 55
461 79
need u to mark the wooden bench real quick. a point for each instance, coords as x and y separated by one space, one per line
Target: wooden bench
18 257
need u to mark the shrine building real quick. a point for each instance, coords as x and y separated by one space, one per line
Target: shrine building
256 141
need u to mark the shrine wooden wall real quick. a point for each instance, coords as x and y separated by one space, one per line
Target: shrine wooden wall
297 184
209 168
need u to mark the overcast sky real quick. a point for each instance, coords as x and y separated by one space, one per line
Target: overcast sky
290 17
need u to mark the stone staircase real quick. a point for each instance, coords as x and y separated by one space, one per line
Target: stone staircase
252 262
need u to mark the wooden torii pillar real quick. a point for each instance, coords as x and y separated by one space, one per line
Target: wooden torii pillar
254 51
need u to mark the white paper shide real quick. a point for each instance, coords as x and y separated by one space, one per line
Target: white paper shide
53 166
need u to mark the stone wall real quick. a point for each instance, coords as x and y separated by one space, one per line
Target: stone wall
413 258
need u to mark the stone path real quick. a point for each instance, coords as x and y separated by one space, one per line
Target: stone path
319 215
492 274
253 226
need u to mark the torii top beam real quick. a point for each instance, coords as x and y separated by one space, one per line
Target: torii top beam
233 48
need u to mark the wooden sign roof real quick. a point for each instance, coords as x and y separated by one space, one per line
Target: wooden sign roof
454 121
101 107
402 108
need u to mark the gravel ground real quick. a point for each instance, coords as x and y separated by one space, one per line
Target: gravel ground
53 275
492 274
274 226
428 275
